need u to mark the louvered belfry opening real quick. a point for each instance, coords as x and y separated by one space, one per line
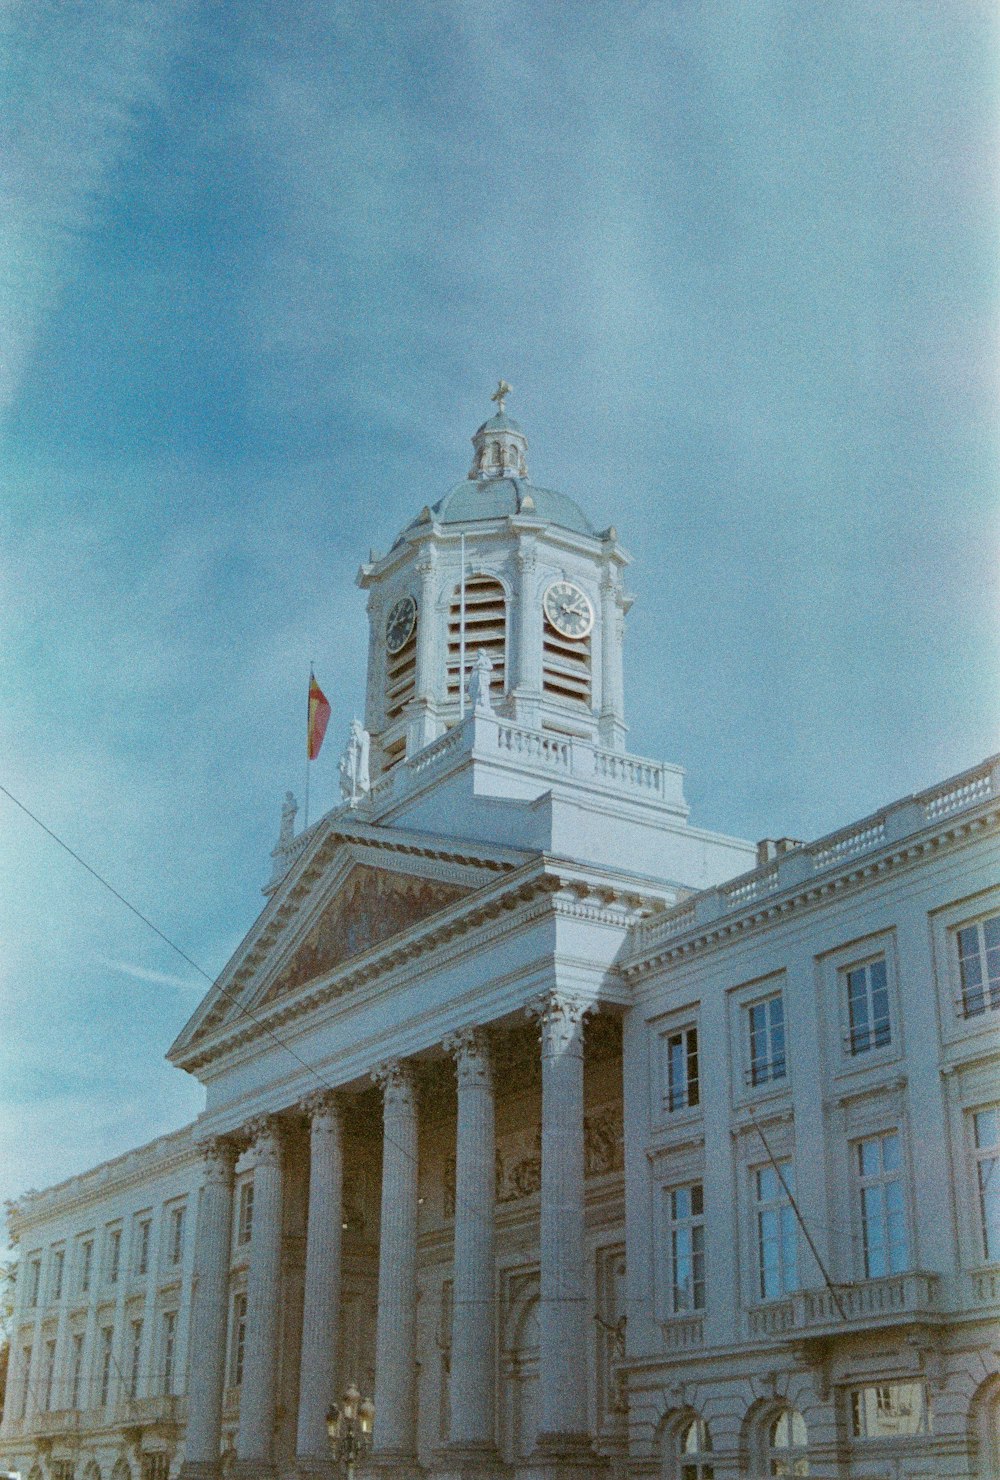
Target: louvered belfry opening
400 678
566 667
485 628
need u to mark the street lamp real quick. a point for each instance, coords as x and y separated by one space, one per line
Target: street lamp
350 1428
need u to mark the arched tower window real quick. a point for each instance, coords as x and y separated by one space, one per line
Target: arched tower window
485 628
566 671
787 1444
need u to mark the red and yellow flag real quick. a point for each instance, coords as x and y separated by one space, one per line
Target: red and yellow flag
319 713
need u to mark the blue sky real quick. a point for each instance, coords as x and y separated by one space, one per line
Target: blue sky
260 268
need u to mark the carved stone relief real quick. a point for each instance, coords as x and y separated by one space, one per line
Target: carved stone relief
372 906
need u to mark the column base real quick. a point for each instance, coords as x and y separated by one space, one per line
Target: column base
200 1469
558 1456
469 1462
255 1469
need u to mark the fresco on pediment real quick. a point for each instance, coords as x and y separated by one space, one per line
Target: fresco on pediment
372 906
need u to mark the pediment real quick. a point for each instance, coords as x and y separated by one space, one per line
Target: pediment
371 906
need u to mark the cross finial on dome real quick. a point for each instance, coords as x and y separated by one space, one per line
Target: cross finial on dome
500 395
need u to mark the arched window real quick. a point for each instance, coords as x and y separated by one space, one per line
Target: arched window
485 628
695 1461
787 1441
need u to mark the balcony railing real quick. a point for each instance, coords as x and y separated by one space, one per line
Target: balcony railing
679 1334
56 1422
985 1286
145 1412
896 1300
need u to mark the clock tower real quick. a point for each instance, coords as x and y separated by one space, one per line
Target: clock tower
503 566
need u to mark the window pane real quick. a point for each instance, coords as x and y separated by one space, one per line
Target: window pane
890 1153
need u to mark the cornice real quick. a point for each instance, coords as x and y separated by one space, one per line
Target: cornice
778 906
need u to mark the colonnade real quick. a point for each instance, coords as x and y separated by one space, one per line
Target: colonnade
563 1309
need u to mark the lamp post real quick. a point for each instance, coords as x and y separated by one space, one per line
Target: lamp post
349 1426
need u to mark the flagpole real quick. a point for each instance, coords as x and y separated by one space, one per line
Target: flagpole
461 637
305 813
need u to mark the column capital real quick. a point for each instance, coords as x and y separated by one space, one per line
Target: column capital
560 1017
321 1104
264 1135
395 1078
470 1048
220 1154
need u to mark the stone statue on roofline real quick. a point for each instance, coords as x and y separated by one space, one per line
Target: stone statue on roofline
355 778
479 684
289 808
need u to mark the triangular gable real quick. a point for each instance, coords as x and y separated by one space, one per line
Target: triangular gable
354 887
371 905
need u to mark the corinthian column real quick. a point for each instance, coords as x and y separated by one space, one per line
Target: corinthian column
210 1312
396 1329
260 1361
563 1305
474 1318
321 1305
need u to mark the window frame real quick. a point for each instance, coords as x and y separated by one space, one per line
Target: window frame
853 1048
237 1338
176 1234
863 1182
693 1224
978 1155
857 1413
244 1213
75 1368
779 1205
987 991
760 1073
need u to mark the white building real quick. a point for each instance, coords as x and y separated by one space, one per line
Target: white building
534 1112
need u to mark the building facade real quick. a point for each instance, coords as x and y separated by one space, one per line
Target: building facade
587 1141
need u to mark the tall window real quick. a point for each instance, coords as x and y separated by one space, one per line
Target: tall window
986 1127
868 1006
135 1359
107 1356
685 1208
485 627
777 1235
238 1340
244 1224
142 1236
49 1375
890 1410
682 1069
76 1369
176 1240
767 1040
34 1281
787 1444
25 1382
169 1349
86 1264
114 1255
883 1212
979 966
58 1265
695 1444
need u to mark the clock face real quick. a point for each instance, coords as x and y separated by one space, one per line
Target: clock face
568 609
400 623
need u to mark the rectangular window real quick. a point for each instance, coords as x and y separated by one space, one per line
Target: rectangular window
238 1340
883 1213
58 1265
986 1126
176 1240
682 1089
979 966
142 1246
34 1281
135 1360
107 1355
244 1227
50 1372
169 1349
890 1410
685 1207
767 1040
86 1264
114 1255
25 1382
868 1006
76 1370
777 1235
